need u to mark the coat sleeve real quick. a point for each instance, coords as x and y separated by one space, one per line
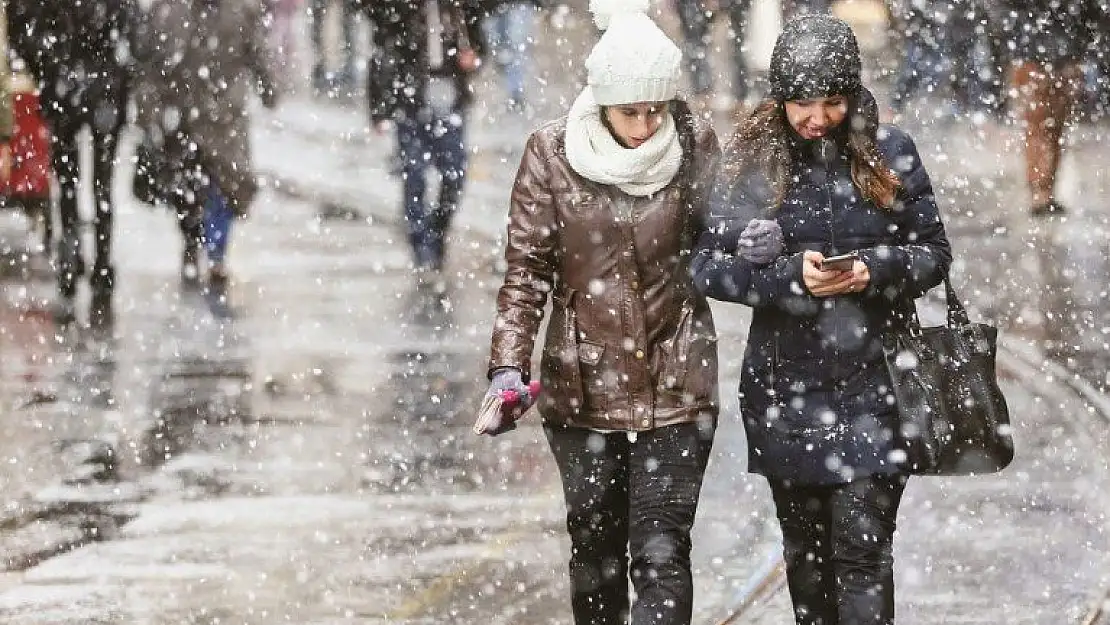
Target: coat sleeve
921 257
720 273
530 256
393 60
260 59
26 23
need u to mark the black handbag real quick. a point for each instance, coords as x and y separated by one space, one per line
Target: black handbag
953 418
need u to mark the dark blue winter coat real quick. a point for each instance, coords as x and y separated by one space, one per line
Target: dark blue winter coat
814 391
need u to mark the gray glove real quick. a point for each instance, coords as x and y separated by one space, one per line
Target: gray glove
509 379
761 241
503 419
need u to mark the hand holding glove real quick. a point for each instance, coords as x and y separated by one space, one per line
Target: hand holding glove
511 397
761 241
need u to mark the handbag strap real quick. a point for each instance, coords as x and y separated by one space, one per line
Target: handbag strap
956 312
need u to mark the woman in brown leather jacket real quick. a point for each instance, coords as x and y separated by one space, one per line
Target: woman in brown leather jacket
603 214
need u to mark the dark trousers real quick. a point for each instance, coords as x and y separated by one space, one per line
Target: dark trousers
949 54
100 105
630 509
696 25
439 143
187 190
838 543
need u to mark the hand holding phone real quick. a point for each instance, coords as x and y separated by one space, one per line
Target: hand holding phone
844 275
844 262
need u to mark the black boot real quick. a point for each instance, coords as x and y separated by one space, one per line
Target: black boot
190 267
216 292
69 268
64 312
1050 209
101 314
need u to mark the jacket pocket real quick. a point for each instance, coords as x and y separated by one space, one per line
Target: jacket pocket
686 362
577 201
597 387
561 374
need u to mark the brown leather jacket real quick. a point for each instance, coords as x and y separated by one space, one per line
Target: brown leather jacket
630 344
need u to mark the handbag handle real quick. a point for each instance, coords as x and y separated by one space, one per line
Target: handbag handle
957 313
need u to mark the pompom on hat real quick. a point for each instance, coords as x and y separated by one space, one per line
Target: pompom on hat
634 61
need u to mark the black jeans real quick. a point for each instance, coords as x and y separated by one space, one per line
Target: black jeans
630 508
101 105
838 549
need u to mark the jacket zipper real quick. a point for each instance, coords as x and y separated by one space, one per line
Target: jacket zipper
827 163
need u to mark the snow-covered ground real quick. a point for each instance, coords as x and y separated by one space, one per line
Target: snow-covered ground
311 461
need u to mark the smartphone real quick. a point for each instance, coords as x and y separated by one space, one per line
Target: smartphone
843 262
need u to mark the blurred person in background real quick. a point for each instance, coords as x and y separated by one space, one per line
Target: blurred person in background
283 33
1049 39
342 80
80 54
426 54
602 215
200 60
696 18
948 52
6 96
509 27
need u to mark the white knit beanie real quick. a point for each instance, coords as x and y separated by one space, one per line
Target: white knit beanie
634 61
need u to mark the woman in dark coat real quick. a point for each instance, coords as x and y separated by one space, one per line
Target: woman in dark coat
814 390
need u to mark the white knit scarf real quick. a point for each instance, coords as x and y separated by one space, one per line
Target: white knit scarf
595 154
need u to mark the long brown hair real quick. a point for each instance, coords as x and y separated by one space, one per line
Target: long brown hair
761 144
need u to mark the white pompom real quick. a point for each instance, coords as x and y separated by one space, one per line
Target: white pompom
605 10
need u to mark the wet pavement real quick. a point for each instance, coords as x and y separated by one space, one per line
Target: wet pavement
311 460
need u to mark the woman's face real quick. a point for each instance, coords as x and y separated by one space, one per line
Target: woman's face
815 118
633 124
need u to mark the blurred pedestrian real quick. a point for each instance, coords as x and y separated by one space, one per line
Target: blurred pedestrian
325 81
1048 42
5 98
814 389
947 53
283 34
602 215
696 18
193 104
80 55
425 56
509 25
